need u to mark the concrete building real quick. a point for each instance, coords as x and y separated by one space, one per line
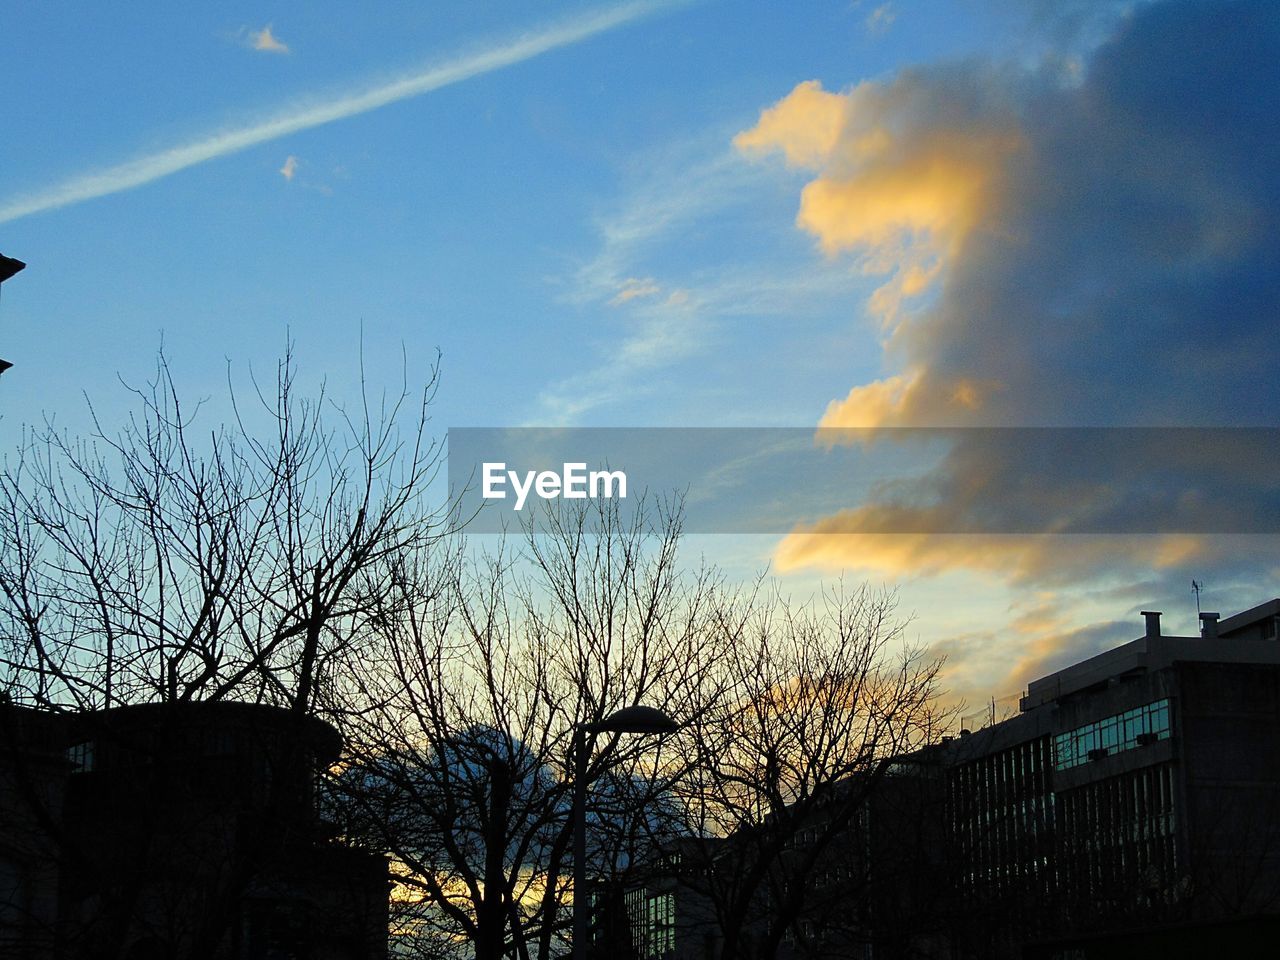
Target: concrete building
1136 791
178 830
1131 808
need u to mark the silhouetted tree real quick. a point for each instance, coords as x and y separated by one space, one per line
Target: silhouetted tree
462 756
301 567
164 562
169 563
819 703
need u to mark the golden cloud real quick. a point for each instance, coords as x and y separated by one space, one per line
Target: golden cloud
904 196
842 541
903 180
805 126
1020 219
909 399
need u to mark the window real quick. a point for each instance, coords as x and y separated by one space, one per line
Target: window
81 757
14 894
1123 731
653 923
663 923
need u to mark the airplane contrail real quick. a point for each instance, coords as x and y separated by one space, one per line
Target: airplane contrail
135 173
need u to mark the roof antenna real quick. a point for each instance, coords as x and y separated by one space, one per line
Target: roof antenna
1196 587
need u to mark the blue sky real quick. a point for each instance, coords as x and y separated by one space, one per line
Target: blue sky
477 218
960 212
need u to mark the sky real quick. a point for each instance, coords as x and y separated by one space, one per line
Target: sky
837 214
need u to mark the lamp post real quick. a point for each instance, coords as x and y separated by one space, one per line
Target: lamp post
637 719
8 267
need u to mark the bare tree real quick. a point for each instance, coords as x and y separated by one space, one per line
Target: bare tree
792 718
160 562
170 566
302 568
463 755
821 701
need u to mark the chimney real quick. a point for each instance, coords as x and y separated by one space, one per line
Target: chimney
1153 623
1209 625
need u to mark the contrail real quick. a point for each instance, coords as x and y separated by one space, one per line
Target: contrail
135 173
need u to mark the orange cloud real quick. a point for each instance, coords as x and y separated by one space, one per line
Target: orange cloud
909 399
873 404
906 174
1053 244
903 196
805 126
1003 660
929 196
846 540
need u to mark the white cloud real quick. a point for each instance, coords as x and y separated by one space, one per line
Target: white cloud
634 288
290 167
881 19
663 315
664 335
145 169
267 42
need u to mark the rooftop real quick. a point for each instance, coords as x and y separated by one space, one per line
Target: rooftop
1247 637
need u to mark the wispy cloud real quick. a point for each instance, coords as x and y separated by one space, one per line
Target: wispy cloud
664 323
661 336
634 288
290 167
881 19
665 311
680 187
153 166
266 42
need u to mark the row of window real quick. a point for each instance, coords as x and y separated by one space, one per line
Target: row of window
653 923
1115 734
999 780
1118 838
1001 812
1091 843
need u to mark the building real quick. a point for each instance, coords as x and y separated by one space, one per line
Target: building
868 853
1136 792
178 830
1131 808
33 775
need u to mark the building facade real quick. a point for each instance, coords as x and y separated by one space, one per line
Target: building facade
1132 805
178 830
1136 792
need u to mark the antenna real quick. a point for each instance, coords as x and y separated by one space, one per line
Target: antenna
1196 587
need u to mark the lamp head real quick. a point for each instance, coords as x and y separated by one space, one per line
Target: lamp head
636 719
8 267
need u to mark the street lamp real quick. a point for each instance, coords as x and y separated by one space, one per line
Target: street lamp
8 267
636 719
